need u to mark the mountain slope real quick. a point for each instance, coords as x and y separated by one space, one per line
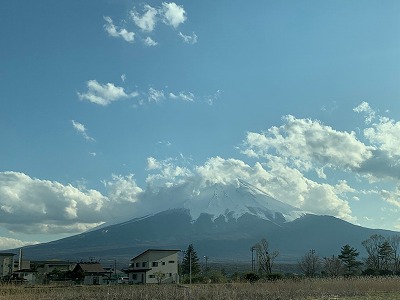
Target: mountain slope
222 222
218 238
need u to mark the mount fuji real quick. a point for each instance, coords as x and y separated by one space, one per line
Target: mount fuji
222 221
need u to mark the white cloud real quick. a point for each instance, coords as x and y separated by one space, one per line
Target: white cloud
123 77
150 42
104 94
33 205
155 95
173 14
81 129
185 96
189 39
122 189
173 96
169 13
169 174
153 164
308 144
365 108
210 99
392 197
280 181
385 135
113 31
147 21
10 243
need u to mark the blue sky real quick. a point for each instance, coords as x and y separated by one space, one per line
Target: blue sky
102 102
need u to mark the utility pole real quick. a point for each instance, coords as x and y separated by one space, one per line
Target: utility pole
206 258
190 267
115 269
252 257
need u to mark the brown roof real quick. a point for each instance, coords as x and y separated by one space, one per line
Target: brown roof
91 268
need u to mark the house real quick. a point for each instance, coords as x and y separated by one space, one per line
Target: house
21 264
22 272
154 266
26 276
49 266
91 273
50 270
6 264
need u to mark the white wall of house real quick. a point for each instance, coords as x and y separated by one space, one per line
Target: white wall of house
29 277
6 264
93 279
147 265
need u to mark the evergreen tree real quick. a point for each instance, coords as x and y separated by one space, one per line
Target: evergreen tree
190 257
348 256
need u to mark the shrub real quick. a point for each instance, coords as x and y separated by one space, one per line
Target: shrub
251 277
273 276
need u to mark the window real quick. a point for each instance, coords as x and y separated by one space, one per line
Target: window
163 263
144 264
171 262
134 276
137 265
152 276
154 264
170 274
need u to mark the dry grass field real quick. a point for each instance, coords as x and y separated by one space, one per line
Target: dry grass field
354 289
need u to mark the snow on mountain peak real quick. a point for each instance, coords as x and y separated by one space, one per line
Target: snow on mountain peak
235 201
229 201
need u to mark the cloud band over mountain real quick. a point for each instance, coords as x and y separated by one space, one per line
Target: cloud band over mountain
291 162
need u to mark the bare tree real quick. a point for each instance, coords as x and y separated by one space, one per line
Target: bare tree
265 258
310 263
385 253
333 266
371 245
394 241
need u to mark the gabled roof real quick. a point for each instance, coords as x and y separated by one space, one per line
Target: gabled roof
154 250
7 254
91 267
25 271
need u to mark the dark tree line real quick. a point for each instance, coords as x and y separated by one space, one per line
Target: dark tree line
346 263
383 255
383 259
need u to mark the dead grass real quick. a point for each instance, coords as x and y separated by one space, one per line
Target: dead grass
327 289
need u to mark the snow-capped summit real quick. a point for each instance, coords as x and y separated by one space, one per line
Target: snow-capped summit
233 201
230 201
